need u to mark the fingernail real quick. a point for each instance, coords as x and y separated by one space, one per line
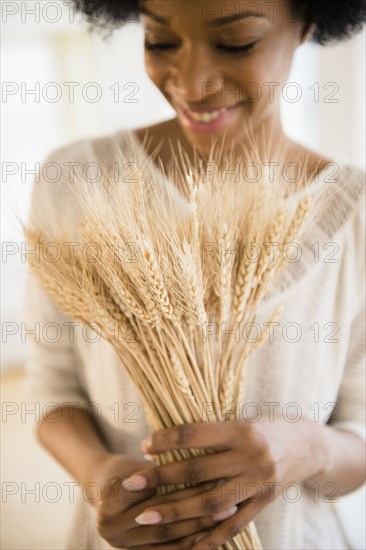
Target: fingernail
134 483
145 444
199 538
148 457
149 518
225 514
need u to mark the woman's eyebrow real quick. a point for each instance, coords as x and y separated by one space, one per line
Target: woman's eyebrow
218 22
227 19
155 16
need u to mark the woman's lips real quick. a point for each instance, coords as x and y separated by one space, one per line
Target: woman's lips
207 119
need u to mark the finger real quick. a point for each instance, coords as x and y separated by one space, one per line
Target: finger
168 500
217 501
193 470
157 534
115 499
199 435
232 527
197 506
123 527
183 544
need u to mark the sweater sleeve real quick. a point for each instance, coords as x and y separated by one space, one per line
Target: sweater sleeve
349 412
52 360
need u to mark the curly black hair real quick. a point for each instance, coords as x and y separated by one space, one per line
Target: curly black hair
335 20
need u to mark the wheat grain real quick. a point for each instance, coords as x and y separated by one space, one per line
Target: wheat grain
156 282
193 287
242 288
225 273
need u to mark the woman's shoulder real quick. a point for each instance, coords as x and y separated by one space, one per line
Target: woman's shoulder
334 230
340 215
79 162
341 192
100 149
85 160
337 189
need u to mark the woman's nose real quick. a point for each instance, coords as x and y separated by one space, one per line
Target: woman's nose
194 76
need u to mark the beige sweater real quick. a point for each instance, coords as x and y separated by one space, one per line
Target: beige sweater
314 366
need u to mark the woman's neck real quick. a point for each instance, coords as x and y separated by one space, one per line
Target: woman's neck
272 144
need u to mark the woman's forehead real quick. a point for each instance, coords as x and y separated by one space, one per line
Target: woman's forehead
212 10
213 14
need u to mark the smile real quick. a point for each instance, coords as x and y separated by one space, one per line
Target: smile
205 116
209 120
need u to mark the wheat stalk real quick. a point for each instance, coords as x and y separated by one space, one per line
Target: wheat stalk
167 297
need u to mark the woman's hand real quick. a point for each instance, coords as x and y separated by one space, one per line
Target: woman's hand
256 459
117 509
113 500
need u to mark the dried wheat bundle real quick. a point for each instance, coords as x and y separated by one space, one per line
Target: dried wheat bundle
177 258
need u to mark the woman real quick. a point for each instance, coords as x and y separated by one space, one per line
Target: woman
204 58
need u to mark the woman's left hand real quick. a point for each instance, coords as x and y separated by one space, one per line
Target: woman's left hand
255 460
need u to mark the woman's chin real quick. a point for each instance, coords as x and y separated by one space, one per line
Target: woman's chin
203 141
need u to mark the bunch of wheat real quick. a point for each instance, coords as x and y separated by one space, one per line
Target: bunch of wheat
167 271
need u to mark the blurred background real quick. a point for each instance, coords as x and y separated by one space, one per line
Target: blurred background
61 83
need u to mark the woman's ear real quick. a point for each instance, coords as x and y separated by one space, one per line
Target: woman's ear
308 32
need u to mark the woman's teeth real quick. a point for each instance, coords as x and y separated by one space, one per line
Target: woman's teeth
206 117
207 122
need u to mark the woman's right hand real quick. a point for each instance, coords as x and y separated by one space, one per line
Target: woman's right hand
118 508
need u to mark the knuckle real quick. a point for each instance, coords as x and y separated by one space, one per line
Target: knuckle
236 528
162 533
105 527
205 522
172 514
183 545
101 529
102 523
119 543
231 437
109 537
260 441
183 434
255 437
158 475
210 485
154 437
116 542
194 470
268 468
213 506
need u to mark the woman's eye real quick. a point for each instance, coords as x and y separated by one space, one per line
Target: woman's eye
163 46
238 49
158 45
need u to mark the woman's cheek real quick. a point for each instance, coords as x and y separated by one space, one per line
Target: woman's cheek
157 70
265 77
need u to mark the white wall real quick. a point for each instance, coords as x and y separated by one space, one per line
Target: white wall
330 117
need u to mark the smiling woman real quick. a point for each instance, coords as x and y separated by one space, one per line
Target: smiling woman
222 66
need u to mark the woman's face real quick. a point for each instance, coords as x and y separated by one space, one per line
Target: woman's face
220 63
